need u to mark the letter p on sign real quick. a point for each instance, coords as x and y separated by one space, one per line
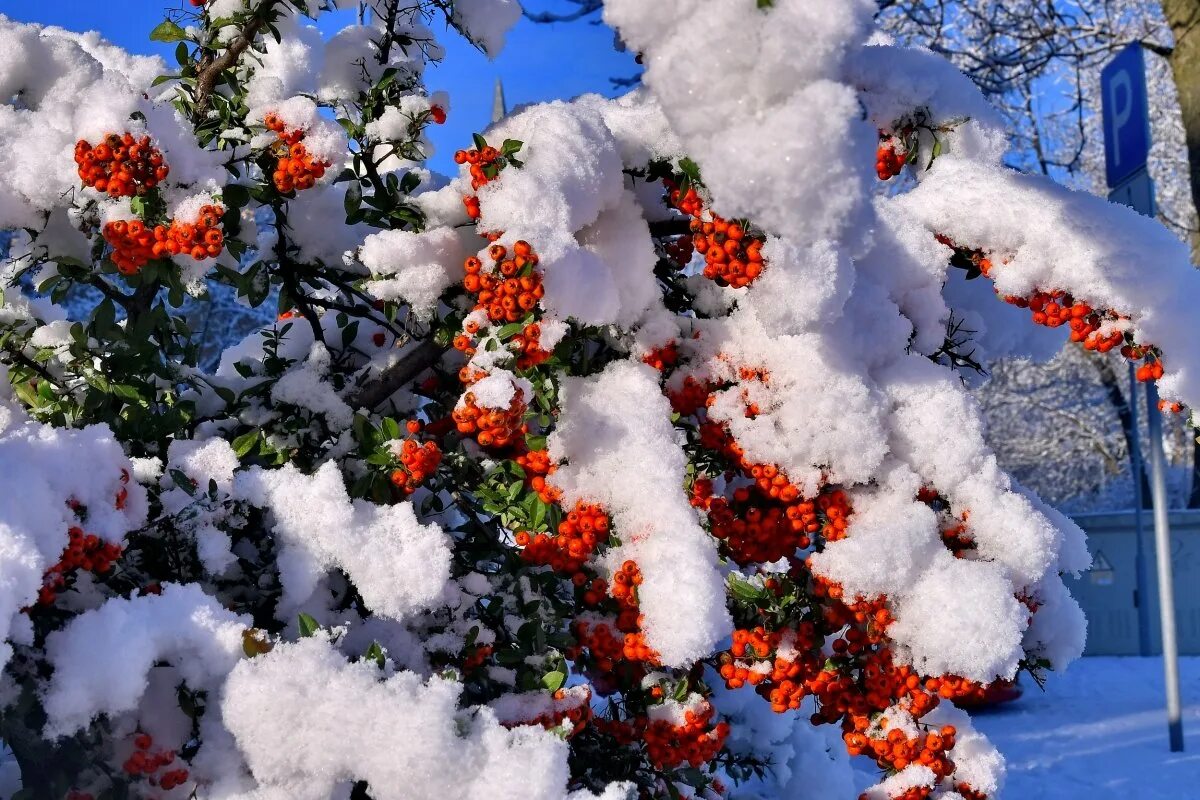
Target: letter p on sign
1126 115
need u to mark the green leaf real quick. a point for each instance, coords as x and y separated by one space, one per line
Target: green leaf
235 196
480 142
353 200
690 168
183 482
308 625
744 591
245 443
167 31
375 653
553 681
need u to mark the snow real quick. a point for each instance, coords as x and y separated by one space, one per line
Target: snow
621 452
1047 237
55 466
398 564
413 267
1098 732
307 720
102 658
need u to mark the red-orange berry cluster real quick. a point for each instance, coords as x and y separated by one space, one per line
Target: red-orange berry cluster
417 463
895 750
890 158
476 657
538 466
134 244
492 427
511 287
578 535
84 551
696 742
296 168
529 347
664 357
486 164
1099 330
732 255
144 761
121 165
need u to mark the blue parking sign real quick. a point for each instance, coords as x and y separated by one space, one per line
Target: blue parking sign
1126 115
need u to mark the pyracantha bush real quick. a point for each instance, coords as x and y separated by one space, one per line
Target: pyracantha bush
632 460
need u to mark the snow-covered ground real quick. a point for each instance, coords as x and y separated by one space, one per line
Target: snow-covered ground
1099 731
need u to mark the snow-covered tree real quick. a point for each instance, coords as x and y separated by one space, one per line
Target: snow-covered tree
601 468
1040 66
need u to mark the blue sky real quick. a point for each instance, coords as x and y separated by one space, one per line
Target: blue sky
540 62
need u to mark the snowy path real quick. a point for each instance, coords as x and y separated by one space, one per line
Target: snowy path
1098 732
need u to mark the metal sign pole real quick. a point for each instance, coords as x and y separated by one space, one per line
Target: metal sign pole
1166 583
1126 117
1138 470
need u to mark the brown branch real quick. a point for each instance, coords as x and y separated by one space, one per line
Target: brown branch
392 379
211 66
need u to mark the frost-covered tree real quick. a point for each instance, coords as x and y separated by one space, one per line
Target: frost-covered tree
601 468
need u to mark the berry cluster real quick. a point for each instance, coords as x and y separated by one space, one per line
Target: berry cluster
485 164
579 533
890 158
120 165
84 551
296 169
732 254
491 427
538 467
143 761
134 244
1099 330
1055 309
417 463
511 287
694 740
528 345
765 519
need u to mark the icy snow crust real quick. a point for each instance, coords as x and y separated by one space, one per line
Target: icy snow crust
855 296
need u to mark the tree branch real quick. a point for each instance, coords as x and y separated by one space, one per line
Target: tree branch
211 66
392 379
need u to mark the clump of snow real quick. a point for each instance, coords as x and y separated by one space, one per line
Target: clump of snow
486 22
1046 237
618 449
307 720
398 565
413 267
50 468
305 385
102 658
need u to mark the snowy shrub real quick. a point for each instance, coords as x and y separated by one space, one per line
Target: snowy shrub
599 469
